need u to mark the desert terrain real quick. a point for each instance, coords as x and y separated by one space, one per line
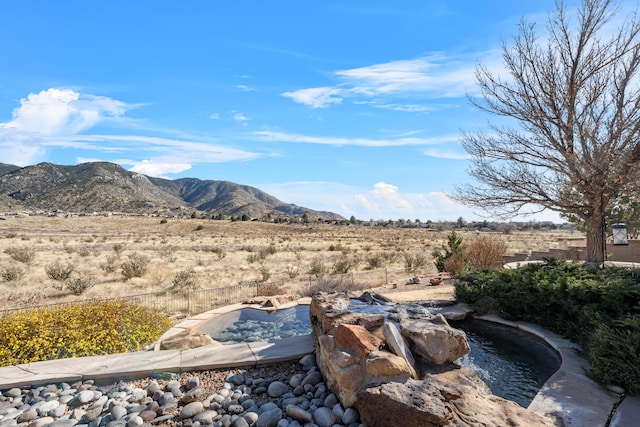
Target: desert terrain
214 254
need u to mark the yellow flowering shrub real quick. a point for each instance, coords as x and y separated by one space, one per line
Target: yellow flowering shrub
88 329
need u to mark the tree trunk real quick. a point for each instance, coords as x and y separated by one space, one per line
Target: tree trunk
595 228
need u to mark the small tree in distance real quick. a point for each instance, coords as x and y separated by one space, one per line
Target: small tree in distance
575 99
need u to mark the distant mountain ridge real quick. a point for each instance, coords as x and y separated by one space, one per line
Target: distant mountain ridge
107 187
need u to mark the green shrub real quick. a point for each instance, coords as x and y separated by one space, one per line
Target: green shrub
253 257
135 266
118 248
23 254
614 353
220 252
455 248
292 271
184 281
169 253
596 308
345 265
11 273
110 265
318 268
90 329
78 283
334 284
413 262
58 271
375 261
265 274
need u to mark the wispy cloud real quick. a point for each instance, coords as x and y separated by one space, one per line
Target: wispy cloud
62 118
317 97
446 154
240 117
365 142
245 88
381 201
430 77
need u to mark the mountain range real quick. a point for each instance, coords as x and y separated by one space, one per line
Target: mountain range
107 187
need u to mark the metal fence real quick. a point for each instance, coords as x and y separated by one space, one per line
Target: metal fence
206 299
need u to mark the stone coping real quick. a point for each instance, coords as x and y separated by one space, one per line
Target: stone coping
195 321
128 366
569 396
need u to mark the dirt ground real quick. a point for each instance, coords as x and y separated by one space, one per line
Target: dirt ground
418 292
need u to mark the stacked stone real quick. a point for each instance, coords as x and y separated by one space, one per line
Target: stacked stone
243 401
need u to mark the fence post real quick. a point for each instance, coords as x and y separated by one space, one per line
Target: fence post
386 276
189 301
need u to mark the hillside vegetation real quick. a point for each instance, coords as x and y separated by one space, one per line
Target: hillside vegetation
46 260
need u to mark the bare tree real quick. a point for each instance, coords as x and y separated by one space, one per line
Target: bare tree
575 141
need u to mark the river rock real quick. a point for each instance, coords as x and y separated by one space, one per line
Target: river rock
277 389
191 410
298 414
324 417
269 418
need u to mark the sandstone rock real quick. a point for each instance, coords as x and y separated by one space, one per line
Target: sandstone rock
189 338
456 398
388 366
271 301
395 341
434 340
369 321
356 339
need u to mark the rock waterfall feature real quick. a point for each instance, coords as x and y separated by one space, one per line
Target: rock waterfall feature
398 366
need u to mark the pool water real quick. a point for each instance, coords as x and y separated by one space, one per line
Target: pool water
513 363
251 325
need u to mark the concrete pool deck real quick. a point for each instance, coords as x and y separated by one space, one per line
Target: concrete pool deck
569 397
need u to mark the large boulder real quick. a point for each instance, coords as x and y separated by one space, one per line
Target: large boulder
456 397
434 340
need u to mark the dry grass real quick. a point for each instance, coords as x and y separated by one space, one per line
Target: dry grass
219 253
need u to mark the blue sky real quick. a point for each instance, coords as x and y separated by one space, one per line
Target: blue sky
355 107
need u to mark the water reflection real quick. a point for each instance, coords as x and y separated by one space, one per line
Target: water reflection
514 364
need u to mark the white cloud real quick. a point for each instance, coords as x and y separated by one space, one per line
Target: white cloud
152 168
62 118
214 116
387 194
239 117
162 150
429 77
365 142
62 111
318 97
381 201
245 88
442 154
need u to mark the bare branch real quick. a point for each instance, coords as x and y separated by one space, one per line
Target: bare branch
575 102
